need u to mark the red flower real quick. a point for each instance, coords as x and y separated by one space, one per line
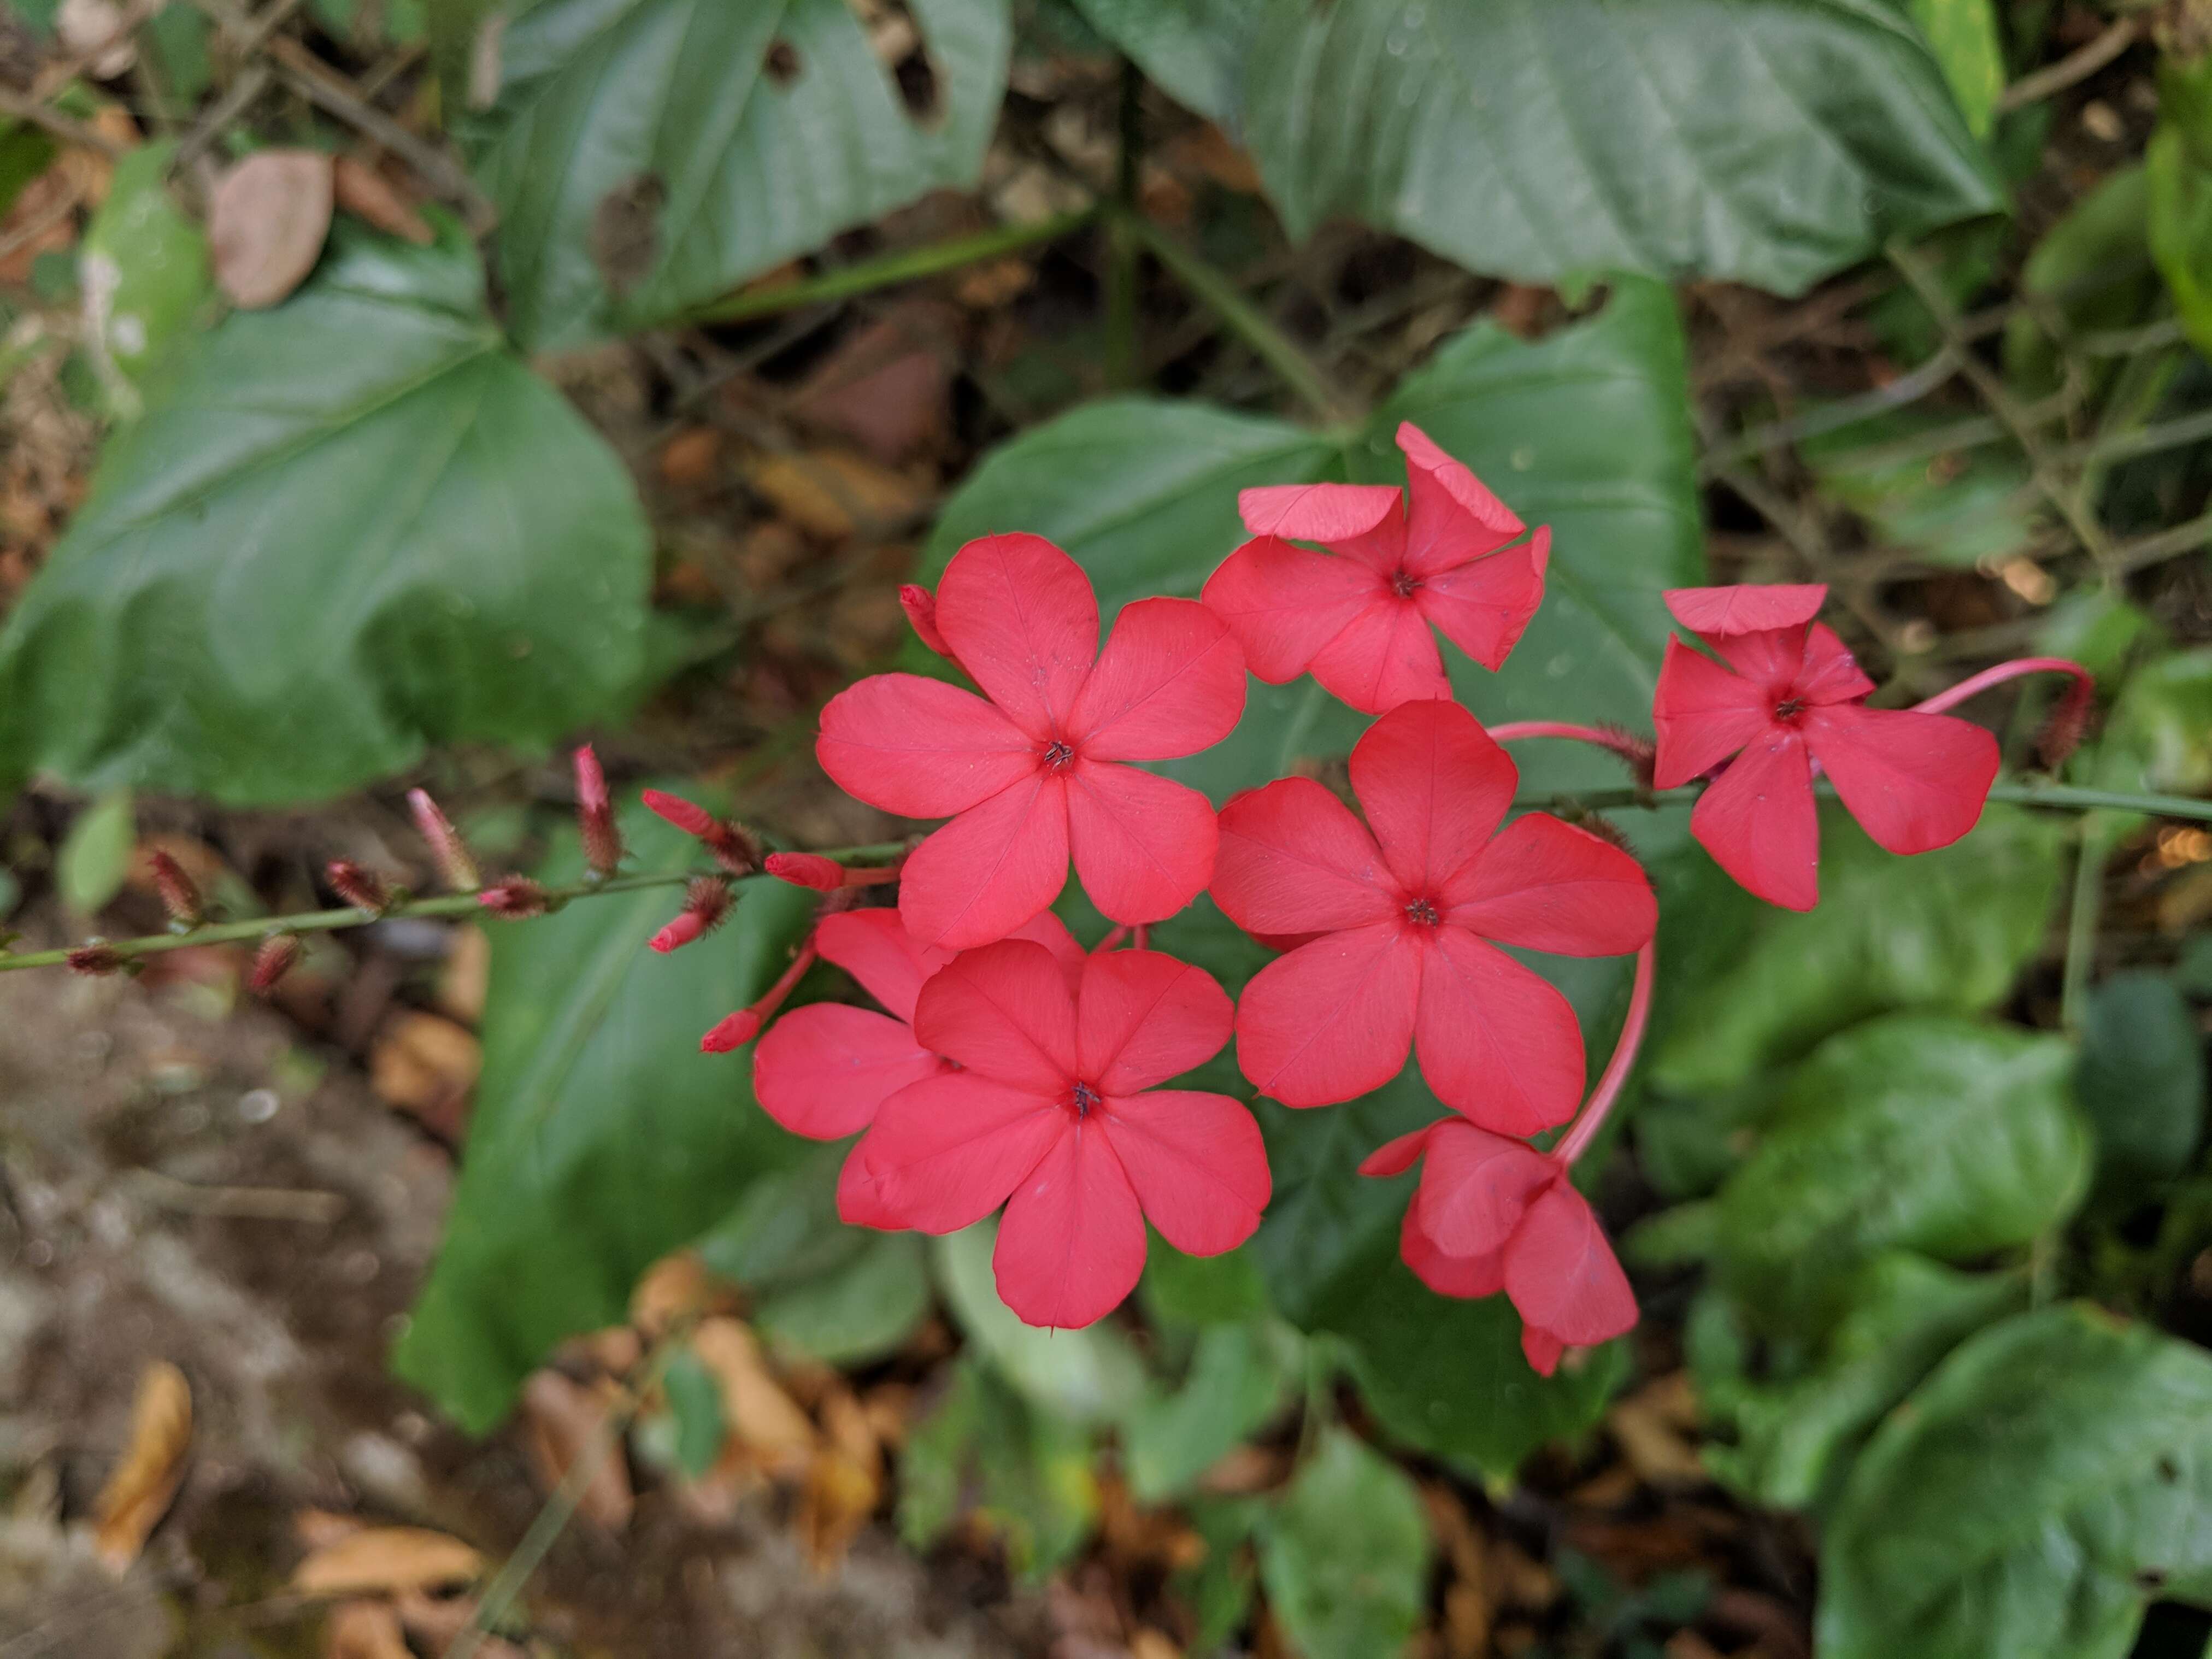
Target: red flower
1401 919
1361 621
1493 1214
1030 776
822 1070
1051 1116
1786 700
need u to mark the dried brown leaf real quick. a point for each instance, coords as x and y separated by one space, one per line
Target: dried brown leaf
1647 1427
367 194
267 220
561 1422
364 1630
138 1494
765 1421
830 492
386 1560
424 1064
675 1287
467 978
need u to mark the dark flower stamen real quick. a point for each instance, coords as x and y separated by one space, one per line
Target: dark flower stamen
1422 911
1059 756
1083 1099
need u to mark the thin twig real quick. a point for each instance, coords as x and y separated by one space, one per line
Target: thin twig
313 1209
2076 65
61 126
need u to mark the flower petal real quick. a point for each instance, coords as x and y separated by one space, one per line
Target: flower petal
1464 1276
1542 1350
1497 1041
875 948
1758 822
1072 1245
1142 1017
1703 713
1745 607
1293 860
1398 1154
1170 682
1914 782
821 1071
990 870
945 1152
1829 672
861 1201
1198 1164
1545 885
1435 787
1454 517
1484 606
1143 844
1324 513
1332 1020
1284 603
1384 656
1562 1275
1003 1011
1021 616
919 747
1771 659
1050 931
1475 1186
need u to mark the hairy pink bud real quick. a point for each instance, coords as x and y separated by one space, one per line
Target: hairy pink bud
179 897
595 815
275 959
357 885
515 897
95 959
730 845
706 902
455 862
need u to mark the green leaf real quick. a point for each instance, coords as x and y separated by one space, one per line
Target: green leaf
2093 268
1024 1472
355 526
1963 36
1769 141
602 1138
1948 930
1796 1439
1345 1558
1960 507
1218 1588
695 1399
96 855
1442 1374
144 271
2180 219
1199 1291
1585 429
1917 1132
2159 738
1238 1376
1077 1377
2140 1082
178 37
648 155
25 153
858 1314
1194 48
2051 1479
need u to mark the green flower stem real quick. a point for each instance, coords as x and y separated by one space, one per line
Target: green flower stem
332 921
889 269
1218 295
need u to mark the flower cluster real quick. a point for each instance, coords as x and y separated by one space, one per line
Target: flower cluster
1011 1068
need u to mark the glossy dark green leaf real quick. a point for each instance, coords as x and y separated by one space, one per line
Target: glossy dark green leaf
1794 1440
2050 1479
2141 1082
1238 1376
355 524
1916 1131
602 1138
1769 141
1344 1557
1950 930
648 155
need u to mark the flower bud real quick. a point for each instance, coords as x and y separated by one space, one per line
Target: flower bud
2067 723
179 897
807 869
358 885
515 897
275 959
730 845
921 607
595 815
95 959
731 1031
705 903
455 862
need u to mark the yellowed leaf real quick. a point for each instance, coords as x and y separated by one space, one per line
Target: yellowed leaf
138 1493
364 192
267 219
386 1559
675 1287
425 1064
830 492
561 1422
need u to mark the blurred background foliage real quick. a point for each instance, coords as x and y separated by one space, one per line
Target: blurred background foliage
397 389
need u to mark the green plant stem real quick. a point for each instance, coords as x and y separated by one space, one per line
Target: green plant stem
1215 291
2081 919
1122 246
332 921
889 269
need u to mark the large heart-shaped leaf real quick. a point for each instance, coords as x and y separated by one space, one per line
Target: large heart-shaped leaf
648 156
1585 429
602 1138
2051 1479
1770 141
355 524
1345 1557
1916 1131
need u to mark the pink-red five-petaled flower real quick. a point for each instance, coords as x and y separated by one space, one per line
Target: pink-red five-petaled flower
1494 1214
821 1071
1360 621
1054 1112
1397 924
1031 772
1781 700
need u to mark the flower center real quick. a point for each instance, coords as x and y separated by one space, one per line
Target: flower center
1423 912
1082 1098
1789 709
1403 583
1058 755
